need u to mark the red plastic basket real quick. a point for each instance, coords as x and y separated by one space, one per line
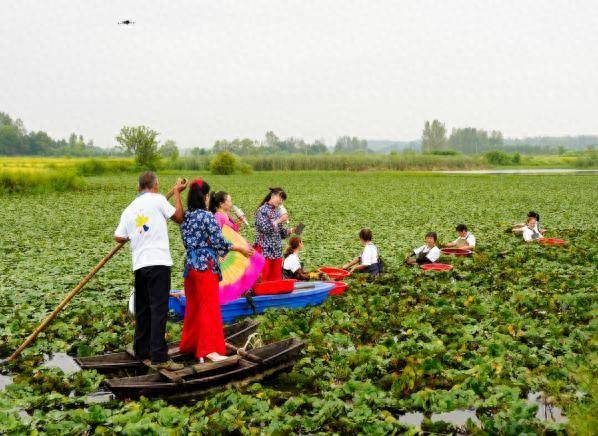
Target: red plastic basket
335 273
436 267
456 251
274 287
339 288
551 241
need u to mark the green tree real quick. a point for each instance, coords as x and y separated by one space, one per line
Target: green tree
433 136
169 150
142 142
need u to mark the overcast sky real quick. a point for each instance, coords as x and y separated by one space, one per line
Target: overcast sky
197 71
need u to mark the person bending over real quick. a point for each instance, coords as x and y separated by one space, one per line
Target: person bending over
464 241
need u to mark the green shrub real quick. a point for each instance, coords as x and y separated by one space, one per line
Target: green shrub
499 157
223 163
448 152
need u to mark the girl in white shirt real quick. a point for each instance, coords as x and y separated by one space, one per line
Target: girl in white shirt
292 268
428 253
369 261
530 231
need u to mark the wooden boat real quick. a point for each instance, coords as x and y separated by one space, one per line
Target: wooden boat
304 294
199 379
234 334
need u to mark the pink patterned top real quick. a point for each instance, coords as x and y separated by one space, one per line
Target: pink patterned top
224 220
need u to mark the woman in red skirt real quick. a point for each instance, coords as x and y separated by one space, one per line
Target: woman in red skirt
269 223
203 335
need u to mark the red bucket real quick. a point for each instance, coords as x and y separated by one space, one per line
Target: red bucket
551 241
456 251
436 267
335 273
274 287
339 288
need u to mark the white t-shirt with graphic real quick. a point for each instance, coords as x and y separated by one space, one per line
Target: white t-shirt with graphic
369 255
292 263
433 254
144 223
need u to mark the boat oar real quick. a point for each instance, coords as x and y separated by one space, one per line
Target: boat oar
63 303
69 297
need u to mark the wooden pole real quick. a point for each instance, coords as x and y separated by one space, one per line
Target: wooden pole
63 303
69 297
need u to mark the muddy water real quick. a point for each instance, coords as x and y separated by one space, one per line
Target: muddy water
457 418
546 411
62 361
5 380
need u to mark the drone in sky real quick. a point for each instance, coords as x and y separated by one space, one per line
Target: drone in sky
126 22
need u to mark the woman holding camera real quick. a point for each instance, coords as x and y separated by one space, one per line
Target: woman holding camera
269 223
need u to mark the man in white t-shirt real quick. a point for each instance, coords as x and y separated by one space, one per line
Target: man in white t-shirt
465 241
428 253
143 223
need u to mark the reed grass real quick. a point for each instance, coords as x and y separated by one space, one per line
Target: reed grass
38 180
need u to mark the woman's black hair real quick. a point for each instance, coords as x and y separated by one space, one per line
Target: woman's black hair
196 199
461 228
274 191
432 235
533 214
216 199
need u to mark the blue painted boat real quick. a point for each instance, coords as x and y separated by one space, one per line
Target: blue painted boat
300 297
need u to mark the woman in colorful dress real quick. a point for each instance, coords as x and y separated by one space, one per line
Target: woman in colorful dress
203 335
269 224
221 204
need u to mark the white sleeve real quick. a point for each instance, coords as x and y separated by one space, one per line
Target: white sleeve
419 249
470 240
434 254
121 230
166 208
292 263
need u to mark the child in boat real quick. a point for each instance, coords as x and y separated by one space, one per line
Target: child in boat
530 231
427 253
465 240
292 268
369 261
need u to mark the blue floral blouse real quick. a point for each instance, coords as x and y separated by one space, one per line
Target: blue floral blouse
269 236
203 241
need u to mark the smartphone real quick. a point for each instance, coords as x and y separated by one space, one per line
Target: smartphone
299 228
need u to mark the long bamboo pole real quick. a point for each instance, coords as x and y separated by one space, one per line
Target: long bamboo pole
68 298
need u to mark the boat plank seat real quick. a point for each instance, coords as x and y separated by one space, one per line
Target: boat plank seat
200 368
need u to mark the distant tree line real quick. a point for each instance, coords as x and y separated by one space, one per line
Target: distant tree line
15 140
272 144
471 140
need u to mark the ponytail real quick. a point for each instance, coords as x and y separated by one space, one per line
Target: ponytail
294 243
274 191
196 199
